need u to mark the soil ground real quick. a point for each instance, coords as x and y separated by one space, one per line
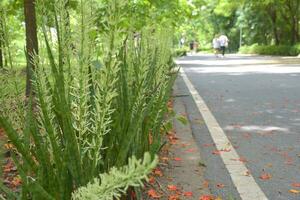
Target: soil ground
180 173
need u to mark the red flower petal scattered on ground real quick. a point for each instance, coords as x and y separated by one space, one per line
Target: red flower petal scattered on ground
265 176
243 160
173 197
188 194
16 182
295 184
151 180
220 185
216 152
177 159
153 194
185 144
164 159
208 145
206 197
226 150
191 150
133 195
206 184
158 172
172 187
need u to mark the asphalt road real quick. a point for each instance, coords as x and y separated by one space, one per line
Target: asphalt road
256 101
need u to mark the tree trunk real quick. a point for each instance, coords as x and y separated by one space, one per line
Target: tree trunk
1 43
297 36
31 41
1 54
1 48
273 16
294 34
292 9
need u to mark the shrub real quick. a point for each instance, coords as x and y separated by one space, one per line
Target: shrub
205 49
180 52
280 50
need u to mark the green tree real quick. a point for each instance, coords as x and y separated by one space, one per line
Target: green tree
31 40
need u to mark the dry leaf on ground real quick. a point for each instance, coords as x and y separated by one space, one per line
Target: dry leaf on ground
265 176
172 187
153 194
188 194
295 184
294 191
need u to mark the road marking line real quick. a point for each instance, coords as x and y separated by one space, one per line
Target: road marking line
245 185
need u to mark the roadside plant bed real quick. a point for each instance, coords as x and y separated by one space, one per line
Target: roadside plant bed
279 50
93 124
180 52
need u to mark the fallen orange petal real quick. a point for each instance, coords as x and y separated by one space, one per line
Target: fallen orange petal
216 152
220 185
206 197
158 172
243 160
295 184
206 184
16 182
173 197
265 176
188 194
178 159
294 191
226 150
172 187
153 194
151 180
191 150
208 145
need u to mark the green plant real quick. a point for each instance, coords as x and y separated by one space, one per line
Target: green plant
86 113
116 182
180 52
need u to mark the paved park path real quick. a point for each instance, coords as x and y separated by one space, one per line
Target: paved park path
244 113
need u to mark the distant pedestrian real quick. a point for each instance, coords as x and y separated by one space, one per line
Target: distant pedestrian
192 45
216 45
195 46
181 42
223 39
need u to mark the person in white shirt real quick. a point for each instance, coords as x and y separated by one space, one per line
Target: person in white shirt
223 39
216 45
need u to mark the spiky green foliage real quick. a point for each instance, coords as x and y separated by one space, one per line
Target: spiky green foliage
115 183
88 114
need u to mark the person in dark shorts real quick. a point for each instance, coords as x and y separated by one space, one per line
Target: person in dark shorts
223 39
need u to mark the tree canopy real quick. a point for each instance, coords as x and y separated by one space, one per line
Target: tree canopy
261 21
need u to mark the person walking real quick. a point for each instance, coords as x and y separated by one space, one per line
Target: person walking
216 45
192 46
223 39
181 42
